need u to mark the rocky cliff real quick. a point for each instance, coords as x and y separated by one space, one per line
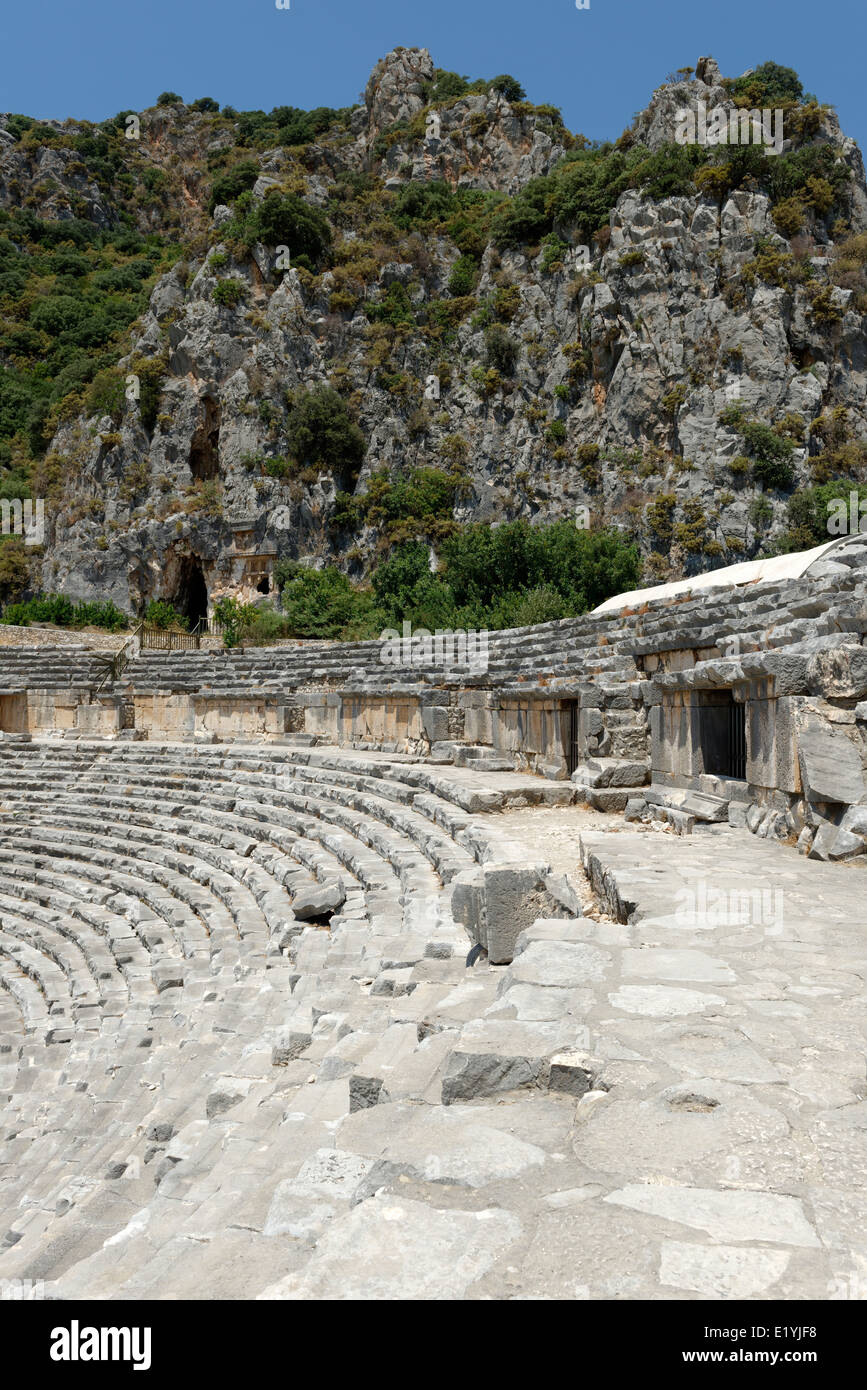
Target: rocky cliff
666 338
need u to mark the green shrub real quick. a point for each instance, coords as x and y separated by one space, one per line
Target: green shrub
278 467
406 590
659 516
772 455
483 562
767 86
501 350
106 394
162 614
809 509
321 434
235 181
227 293
675 398
494 577
509 87
464 275
788 217
424 204
285 219
446 86
58 609
234 618
527 217
15 570
395 307
151 375
761 513
315 603
423 496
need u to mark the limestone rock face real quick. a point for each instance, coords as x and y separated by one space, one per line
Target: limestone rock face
395 88
665 329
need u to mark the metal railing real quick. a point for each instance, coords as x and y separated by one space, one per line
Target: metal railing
170 639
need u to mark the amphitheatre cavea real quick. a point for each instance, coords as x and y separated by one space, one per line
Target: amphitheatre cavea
433 696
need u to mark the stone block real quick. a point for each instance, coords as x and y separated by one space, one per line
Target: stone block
737 814
317 901
289 1047
611 798
496 902
435 722
680 822
823 841
705 808
830 764
840 673
846 845
855 820
494 1055
574 1073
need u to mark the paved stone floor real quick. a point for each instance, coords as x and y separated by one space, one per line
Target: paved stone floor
719 1152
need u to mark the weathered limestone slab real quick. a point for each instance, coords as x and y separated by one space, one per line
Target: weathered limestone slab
830 763
725 1216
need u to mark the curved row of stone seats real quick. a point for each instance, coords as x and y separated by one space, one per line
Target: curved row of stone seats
216 811
423 795
50 668
74 897
108 1112
173 918
157 830
591 646
92 971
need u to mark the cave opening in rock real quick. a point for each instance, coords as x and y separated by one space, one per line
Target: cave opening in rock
191 593
264 586
205 443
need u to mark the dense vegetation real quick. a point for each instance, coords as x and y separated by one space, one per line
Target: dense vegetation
69 292
489 577
59 610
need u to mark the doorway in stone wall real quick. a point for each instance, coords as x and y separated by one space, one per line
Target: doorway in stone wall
722 734
569 712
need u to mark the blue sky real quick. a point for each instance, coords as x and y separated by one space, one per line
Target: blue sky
599 66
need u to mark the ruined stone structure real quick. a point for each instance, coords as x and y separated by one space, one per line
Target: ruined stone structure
241 1049
744 701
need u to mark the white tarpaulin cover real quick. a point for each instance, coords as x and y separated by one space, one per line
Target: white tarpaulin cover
749 572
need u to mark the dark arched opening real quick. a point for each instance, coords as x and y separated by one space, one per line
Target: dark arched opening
264 586
191 594
205 444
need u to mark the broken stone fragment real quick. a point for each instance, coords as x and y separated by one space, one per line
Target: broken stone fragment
366 1091
318 901
573 1072
289 1047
